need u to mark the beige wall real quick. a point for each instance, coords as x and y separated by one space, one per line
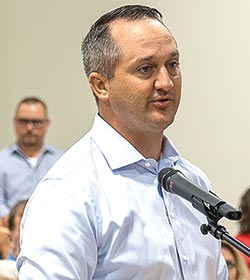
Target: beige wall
40 54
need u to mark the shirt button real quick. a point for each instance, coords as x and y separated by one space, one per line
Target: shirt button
172 215
147 164
185 258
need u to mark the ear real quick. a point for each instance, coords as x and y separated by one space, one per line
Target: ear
99 86
47 121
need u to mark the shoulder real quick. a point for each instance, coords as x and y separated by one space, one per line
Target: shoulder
52 150
71 180
78 156
7 152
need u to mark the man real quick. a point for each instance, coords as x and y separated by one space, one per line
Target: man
24 163
111 219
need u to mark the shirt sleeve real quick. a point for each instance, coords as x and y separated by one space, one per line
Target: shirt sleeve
4 210
57 234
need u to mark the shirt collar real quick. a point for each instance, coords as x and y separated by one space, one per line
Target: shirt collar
16 149
122 152
169 151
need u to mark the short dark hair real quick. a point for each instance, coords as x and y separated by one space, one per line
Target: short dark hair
32 100
99 50
19 206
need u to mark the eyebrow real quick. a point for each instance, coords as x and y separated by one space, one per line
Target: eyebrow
148 58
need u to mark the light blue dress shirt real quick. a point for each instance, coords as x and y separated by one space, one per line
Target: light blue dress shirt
101 214
18 178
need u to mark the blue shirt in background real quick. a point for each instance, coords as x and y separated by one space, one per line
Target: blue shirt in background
18 178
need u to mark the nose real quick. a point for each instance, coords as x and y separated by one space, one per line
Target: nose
29 125
163 80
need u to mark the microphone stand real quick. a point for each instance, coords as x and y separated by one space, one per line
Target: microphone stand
220 232
214 213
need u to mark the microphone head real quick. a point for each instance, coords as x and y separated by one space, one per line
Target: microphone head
164 178
208 203
164 174
229 212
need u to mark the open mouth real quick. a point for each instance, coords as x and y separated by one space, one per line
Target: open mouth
162 103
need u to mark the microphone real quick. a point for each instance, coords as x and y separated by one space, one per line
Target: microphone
207 202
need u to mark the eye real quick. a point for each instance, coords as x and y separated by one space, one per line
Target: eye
173 67
23 122
174 64
36 122
145 69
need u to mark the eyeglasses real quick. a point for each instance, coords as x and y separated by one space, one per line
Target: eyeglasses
26 122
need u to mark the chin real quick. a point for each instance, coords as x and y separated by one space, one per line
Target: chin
29 143
165 121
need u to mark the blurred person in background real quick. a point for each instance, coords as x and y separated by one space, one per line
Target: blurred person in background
11 243
237 269
244 224
15 217
24 163
4 242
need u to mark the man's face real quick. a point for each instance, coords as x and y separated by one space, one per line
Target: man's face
30 125
144 93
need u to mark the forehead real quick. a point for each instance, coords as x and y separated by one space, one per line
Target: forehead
30 110
141 35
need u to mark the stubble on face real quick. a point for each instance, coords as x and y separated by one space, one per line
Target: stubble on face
143 43
30 137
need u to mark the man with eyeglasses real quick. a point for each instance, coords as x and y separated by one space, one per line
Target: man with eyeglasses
24 163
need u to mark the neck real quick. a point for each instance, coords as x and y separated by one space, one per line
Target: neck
148 145
30 151
147 142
